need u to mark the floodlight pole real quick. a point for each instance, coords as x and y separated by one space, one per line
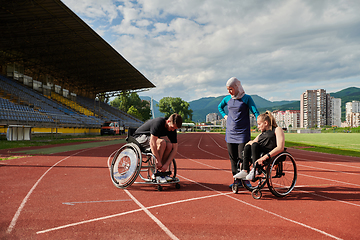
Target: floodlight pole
152 108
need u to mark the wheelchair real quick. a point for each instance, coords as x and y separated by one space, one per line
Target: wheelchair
279 174
131 162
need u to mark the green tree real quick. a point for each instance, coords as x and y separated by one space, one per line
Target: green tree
170 105
127 100
134 112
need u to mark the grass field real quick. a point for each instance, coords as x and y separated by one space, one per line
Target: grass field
336 143
344 141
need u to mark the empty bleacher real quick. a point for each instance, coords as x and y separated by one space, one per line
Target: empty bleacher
14 112
22 105
20 94
108 112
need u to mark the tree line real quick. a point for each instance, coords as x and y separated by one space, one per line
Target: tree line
131 103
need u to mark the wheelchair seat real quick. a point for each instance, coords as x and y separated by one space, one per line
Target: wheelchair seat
130 139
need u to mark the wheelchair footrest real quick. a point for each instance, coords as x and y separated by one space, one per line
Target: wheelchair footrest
154 182
162 174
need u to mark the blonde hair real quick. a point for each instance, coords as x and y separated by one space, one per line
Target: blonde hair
269 118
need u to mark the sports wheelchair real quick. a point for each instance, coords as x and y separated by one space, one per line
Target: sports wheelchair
279 173
131 162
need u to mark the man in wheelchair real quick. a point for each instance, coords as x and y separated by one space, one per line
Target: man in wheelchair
149 136
269 143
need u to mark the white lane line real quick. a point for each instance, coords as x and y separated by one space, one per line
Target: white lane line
157 221
207 151
22 205
101 201
87 221
327 179
348 164
218 144
207 165
327 156
328 170
337 200
129 212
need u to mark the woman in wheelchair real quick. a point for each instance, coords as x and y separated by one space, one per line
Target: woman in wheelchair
269 143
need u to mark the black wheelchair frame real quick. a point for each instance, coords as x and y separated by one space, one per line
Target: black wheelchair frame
131 162
279 174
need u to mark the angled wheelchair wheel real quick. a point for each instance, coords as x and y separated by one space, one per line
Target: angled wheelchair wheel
235 188
256 194
282 175
125 165
259 182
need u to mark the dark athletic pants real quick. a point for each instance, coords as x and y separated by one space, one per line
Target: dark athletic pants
253 152
235 150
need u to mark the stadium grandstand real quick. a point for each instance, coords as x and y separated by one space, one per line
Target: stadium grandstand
55 71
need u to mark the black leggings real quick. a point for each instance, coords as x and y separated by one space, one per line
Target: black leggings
235 150
253 152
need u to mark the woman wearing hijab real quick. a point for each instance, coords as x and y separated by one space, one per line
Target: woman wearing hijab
237 120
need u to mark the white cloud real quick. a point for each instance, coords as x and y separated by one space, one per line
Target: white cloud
190 48
93 9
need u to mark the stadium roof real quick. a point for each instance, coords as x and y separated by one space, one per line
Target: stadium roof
47 36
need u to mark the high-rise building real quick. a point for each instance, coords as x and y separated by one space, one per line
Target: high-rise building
353 113
308 109
336 112
318 109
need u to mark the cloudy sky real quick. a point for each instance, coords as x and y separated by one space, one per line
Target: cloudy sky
190 48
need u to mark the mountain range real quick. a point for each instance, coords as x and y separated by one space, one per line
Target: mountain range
204 106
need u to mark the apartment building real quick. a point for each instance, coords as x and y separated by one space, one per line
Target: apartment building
287 119
308 109
211 117
318 109
336 112
353 113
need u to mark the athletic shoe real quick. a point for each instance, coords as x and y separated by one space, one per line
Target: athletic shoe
238 182
241 175
250 176
247 183
169 179
160 179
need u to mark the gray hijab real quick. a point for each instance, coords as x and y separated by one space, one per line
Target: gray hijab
236 84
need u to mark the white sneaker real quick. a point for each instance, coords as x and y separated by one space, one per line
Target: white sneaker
240 175
160 179
250 176
169 179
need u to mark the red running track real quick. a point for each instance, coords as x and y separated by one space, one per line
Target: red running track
70 196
